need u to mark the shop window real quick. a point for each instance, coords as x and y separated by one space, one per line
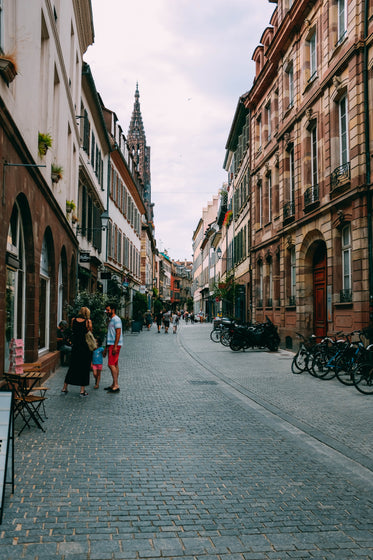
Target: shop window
15 283
44 299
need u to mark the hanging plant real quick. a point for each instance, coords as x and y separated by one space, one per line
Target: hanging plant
70 206
44 142
56 173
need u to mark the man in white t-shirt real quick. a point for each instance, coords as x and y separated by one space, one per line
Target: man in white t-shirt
114 341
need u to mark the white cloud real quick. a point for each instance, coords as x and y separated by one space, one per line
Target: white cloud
192 61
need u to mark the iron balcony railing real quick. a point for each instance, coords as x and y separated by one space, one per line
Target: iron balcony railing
292 300
340 175
260 303
269 302
345 296
289 209
311 195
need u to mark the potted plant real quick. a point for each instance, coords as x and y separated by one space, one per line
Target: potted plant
56 172
44 142
70 206
8 66
74 219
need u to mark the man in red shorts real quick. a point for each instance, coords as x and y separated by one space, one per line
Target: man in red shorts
114 341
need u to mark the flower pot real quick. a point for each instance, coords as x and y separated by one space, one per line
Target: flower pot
7 70
55 177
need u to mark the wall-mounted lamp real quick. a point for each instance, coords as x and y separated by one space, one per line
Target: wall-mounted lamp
218 253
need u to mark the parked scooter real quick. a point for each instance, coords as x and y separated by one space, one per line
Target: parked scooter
262 335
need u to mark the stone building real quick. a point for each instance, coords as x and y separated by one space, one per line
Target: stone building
308 169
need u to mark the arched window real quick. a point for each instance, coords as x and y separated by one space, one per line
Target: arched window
44 299
15 283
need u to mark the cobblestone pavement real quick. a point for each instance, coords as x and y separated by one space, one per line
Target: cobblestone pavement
204 454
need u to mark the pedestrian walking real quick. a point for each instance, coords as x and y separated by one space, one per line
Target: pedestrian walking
148 319
158 318
175 322
114 341
81 355
97 362
166 321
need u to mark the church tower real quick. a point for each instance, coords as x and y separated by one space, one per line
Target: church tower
136 141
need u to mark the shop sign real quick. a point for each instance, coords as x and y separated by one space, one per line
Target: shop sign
84 257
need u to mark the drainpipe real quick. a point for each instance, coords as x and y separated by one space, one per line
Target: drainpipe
367 159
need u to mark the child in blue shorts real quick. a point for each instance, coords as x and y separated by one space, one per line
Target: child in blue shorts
97 362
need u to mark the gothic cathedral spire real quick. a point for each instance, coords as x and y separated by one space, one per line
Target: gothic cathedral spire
136 141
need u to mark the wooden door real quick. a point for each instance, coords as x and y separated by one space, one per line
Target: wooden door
319 292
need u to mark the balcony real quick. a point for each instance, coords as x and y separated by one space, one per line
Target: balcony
292 301
269 302
311 198
345 296
340 178
289 211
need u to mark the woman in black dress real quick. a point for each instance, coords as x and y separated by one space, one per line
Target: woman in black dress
81 355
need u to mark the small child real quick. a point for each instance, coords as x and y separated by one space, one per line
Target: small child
97 362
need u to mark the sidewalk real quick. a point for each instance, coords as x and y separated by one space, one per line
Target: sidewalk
202 455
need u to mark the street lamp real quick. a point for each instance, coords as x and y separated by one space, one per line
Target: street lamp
218 253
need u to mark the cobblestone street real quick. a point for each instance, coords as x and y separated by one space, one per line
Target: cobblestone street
204 454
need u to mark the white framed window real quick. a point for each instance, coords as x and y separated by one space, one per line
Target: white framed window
342 20
312 45
269 122
343 131
293 280
290 79
60 294
291 177
346 258
314 162
44 299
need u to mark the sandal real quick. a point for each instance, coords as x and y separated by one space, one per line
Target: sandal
64 391
85 394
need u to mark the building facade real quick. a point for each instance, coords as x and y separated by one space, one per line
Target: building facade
40 88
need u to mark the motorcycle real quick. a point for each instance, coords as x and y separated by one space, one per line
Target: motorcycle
262 335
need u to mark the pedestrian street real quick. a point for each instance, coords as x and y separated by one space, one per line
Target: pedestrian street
203 454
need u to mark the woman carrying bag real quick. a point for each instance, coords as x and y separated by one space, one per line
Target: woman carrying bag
81 355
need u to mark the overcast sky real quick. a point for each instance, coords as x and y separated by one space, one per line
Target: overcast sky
192 61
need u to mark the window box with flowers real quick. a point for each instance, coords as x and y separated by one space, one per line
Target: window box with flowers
228 218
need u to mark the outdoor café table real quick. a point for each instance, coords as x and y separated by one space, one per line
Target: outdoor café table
26 404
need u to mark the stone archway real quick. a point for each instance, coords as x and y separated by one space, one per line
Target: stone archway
312 282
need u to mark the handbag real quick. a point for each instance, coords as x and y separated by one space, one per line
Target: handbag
90 340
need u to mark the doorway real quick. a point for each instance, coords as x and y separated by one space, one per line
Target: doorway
319 291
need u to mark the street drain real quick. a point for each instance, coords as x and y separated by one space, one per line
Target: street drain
203 382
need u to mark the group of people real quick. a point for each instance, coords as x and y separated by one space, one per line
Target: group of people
82 359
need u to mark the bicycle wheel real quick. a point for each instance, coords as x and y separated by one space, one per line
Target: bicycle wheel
343 370
362 376
300 361
225 338
215 335
320 366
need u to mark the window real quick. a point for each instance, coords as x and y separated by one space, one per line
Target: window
44 298
343 131
312 56
269 124
269 187
15 283
260 285
260 203
293 282
314 177
346 259
259 123
342 21
290 80
291 178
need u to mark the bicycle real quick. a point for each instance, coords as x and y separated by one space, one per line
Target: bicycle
323 362
306 349
362 373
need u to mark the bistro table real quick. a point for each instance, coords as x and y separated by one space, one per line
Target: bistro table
26 404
